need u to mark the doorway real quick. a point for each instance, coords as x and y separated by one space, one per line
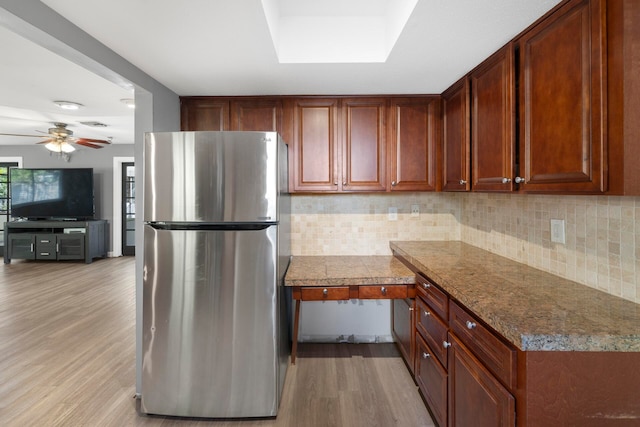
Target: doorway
128 209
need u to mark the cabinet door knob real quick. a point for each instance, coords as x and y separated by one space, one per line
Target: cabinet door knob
383 290
426 313
393 183
425 355
463 182
335 182
344 183
426 285
32 247
519 180
446 344
506 180
325 291
410 308
470 324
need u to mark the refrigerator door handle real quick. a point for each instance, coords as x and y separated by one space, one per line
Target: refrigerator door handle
210 227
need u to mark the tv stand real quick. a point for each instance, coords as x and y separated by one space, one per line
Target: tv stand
55 240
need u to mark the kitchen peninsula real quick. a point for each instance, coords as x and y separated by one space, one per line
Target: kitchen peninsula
496 337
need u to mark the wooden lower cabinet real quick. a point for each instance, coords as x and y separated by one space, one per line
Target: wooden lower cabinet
432 380
402 328
476 398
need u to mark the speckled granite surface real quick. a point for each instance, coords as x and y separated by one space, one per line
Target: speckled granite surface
532 309
347 271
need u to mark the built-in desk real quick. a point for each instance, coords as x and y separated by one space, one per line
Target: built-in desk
333 278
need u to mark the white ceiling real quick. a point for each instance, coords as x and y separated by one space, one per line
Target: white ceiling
224 47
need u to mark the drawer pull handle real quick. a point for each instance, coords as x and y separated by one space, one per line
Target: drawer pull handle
383 290
44 241
426 285
44 253
425 355
325 291
427 313
446 344
470 324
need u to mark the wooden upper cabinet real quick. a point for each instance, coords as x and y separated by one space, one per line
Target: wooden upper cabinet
314 161
256 115
493 122
363 144
204 113
455 128
563 101
413 129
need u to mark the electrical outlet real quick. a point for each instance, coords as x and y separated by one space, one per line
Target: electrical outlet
415 210
393 214
557 231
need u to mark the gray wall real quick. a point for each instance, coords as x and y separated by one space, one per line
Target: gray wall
36 156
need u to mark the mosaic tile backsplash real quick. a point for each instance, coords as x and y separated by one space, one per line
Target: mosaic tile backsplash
602 232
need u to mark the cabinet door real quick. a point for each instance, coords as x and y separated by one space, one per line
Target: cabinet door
476 398
71 246
256 115
562 95
455 128
403 328
364 146
315 145
22 245
413 144
493 122
432 380
204 113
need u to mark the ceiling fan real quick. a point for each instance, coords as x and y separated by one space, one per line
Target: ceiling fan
59 139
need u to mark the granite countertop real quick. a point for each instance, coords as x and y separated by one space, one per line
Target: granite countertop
347 271
534 310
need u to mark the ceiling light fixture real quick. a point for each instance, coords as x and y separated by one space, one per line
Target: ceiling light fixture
60 147
129 102
68 105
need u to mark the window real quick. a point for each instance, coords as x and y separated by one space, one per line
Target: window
5 196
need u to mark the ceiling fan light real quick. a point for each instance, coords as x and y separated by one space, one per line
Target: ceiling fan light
68 105
60 147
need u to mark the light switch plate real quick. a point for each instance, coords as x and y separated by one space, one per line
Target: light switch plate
393 214
557 231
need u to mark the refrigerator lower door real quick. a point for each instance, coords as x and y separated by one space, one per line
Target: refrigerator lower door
210 323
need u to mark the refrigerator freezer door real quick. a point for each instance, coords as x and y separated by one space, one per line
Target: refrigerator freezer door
210 323
212 176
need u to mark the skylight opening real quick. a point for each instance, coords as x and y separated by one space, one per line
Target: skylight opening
336 31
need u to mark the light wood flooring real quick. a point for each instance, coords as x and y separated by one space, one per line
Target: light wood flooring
67 358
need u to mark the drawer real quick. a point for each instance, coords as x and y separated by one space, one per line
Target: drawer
432 329
432 380
434 296
496 355
382 292
328 293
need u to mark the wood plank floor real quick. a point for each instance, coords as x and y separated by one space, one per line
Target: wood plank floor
67 358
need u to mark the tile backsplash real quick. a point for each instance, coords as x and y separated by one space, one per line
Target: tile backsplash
353 224
602 232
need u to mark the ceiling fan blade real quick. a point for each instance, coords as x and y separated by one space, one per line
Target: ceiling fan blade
83 142
101 141
46 141
19 134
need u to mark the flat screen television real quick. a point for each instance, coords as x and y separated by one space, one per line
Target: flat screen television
53 194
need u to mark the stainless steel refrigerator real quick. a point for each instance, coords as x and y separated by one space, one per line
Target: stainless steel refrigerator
216 248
